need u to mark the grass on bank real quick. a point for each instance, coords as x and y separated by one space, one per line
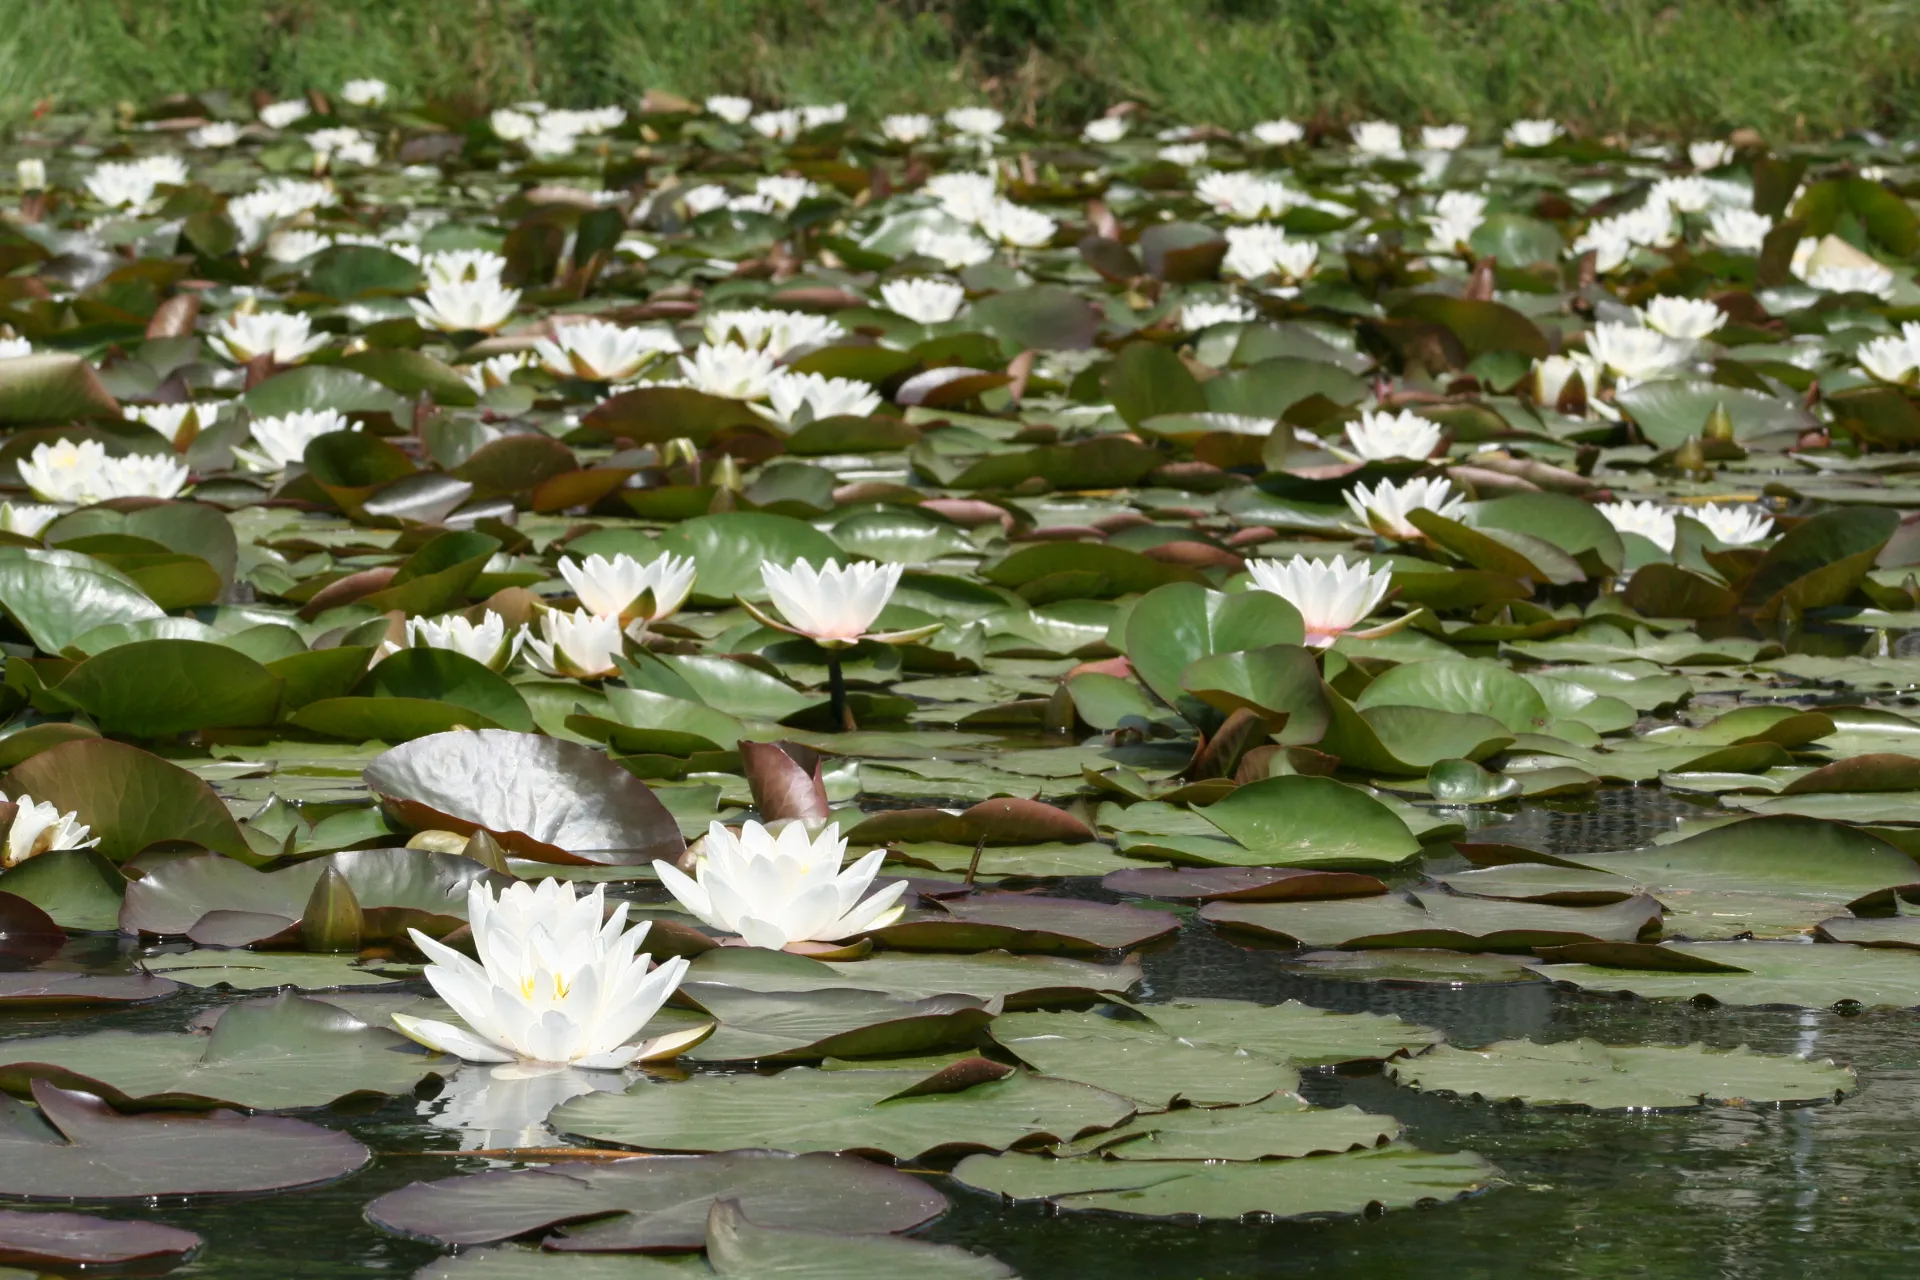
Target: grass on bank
1807 67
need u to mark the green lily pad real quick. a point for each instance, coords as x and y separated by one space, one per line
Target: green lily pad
1585 1073
1282 1127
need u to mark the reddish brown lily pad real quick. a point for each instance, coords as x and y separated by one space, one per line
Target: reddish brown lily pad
1241 884
1019 922
46 1238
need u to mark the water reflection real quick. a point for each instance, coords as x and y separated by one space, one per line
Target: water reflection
506 1106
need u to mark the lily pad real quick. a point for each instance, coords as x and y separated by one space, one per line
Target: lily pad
1282 1127
1141 1060
1017 922
51 1239
1586 1073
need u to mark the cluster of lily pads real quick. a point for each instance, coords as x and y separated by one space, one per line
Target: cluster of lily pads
476 577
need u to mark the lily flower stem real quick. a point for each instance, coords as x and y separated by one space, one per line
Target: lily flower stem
837 687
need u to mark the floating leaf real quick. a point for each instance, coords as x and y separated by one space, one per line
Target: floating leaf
1586 1073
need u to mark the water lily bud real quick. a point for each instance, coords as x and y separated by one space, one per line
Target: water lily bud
1691 457
487 851
332 920
32 173
677 451
434 841
1719 423
725 473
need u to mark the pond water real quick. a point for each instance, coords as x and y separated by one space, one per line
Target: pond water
1823 1190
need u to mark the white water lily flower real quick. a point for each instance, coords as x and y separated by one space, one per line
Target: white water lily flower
963 195
1017 225
578 644
1738 229
1610 243
1278 133
1688 319
1551 375
907 127
1650 226
951 249
558 981
803 397
1634 353
1384 508
734 110
981 124
343 142
30 174
26 518
496 371
131 184
1243 195
831 605
786 191
1875 280
1443 137
364 93
461 305
1331 595
775 332
171 419
626 589
726 369
511 126
217 136
602 352
1184 154
821 114
1889 358
1532 133
286 336
283 440
486 642
14 348
780 126
296 244
1710 154
1736 526
1377 138
1456 216
278 115
39 827
1378 436
1195 316
81 473
1648 519
1106 129
924 300
1263 250
775 891
452 266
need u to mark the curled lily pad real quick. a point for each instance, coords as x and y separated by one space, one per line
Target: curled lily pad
1391 1177
262 1055
51 1239
75 1147
1587 1073
541 798
973 1104
657 1203
395 890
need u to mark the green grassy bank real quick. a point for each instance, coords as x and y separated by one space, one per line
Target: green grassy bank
1786 66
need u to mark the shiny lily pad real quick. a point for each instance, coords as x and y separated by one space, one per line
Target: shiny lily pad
1773 973
1280 1127
1243 884
266 970
1586 1073
986 975
1391 1177
657 1203
51 1239
791 1026
53 988
1017 922
1437 920
1139 1059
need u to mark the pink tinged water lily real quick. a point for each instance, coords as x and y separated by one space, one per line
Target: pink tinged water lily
627 589
558 981
831 605
1648 519
40 827
1384 508
1331 595
776 891
579 644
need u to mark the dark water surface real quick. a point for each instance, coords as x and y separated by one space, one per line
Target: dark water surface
1828 1191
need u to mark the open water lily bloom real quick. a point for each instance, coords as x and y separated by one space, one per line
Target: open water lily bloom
282 441
285 335
798 398
1648 519
40 827
1636 354
1687 319
626 588
923 300
1385 507
487 642
906 127
173 420
602 352
1379 436
1332 596
27 518
1736 526
558 981
723 369
833 606
457 306
732 109
775 891
581 645
80 473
